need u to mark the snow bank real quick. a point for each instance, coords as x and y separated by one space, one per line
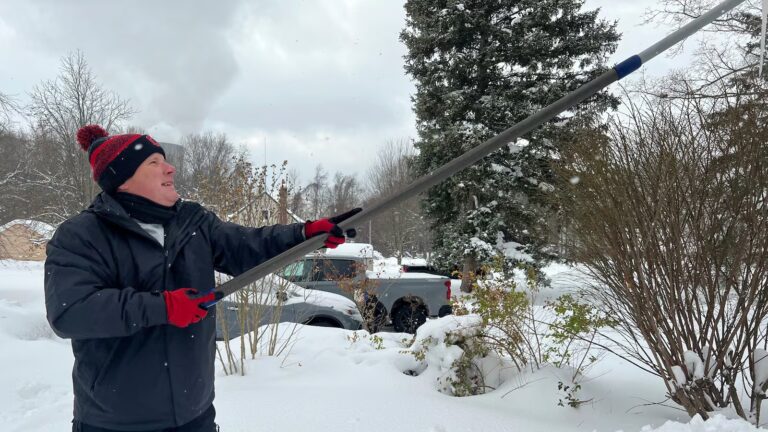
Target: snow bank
341 381
717 423
388 268
362 250
414 261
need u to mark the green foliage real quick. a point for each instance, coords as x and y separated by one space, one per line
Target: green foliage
513 329
573 321
570 391
497 304
420 353
377 342
463 377
504 310
575 324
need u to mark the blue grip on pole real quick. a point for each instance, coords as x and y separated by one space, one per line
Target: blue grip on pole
208 304
628 66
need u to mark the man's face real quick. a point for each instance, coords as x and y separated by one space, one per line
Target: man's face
153 180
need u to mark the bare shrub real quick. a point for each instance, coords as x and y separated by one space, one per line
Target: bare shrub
244 195
669 207
361 290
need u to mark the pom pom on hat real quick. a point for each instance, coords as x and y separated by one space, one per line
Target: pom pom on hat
86 135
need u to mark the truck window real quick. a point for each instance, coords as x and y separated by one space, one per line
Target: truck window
335 269
296 271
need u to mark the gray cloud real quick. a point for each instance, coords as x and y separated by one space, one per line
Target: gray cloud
321 81
173 59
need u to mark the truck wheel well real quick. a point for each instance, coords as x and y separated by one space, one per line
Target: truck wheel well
411 301
322 321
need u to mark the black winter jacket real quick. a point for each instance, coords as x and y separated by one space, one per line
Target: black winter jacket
103 278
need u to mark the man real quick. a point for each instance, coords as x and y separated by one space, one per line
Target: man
124 281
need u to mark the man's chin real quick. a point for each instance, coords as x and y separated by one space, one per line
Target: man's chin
172 198
167 199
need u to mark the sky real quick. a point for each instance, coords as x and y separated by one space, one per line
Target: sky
311 82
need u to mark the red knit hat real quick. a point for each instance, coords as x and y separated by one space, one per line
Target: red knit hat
114 159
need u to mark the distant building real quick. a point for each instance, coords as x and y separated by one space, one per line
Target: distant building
266 210
24 240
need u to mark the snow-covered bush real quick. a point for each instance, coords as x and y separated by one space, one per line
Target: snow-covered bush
497 328
451 351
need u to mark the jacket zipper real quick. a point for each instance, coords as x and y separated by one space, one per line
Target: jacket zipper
165 334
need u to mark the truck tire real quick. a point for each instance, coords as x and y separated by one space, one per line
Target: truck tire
375 316
408 317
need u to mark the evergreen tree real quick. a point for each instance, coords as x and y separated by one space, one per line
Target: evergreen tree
480 66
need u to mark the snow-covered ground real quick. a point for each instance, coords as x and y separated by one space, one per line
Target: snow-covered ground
337 380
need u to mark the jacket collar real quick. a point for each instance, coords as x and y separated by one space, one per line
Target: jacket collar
188 217
107 208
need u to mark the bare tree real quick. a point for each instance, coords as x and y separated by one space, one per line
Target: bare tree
8 107
133 129
344 194
316 193
744 19
14 175
670 210
58 108
207 160
403 228
296 201
730 60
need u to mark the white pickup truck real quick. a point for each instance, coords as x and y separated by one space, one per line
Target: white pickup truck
404 299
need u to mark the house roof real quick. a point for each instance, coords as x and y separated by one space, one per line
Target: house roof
43 229
291 214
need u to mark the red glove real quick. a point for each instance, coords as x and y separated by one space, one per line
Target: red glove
183 307
329 225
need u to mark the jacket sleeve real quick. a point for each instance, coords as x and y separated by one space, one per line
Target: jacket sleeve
79 301
237 249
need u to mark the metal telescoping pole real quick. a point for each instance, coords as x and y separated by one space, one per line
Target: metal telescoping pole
425 182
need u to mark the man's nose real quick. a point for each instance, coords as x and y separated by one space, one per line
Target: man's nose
169 169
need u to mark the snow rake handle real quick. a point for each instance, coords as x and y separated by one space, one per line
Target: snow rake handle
422 184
